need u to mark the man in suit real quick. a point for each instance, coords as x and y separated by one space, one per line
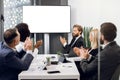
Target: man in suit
109 57
12 62
77 40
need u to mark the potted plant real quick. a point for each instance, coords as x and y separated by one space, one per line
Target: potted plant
86 32
48 61
58 54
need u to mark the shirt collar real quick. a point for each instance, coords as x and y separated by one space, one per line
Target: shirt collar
22 43
14 49
78 37
106 44
9 47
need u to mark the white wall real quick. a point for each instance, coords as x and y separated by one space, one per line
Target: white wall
110 11
95 12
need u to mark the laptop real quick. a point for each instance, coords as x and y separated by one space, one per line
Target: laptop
63 59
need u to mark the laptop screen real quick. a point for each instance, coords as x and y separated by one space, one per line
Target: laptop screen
62 58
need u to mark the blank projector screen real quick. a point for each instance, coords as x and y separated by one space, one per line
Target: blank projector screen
47 19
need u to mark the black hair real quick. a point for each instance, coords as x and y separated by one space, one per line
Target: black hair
23 30
109 31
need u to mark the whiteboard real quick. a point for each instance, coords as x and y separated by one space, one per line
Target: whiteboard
47 19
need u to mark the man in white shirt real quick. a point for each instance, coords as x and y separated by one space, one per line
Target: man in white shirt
24 31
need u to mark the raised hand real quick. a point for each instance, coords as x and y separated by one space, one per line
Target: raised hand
84 54
62 40
76 51
28 44
38 44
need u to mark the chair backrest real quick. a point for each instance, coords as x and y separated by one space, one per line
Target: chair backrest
116 75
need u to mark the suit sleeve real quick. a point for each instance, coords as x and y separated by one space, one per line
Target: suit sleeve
67 48
89 68
17 63
21 53
79 43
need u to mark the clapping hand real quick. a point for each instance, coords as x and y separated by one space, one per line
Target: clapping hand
28 44
38 44
76 51
84 54
62 40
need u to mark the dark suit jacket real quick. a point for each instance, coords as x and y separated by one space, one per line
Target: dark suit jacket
68 48
109 60
84 74
93 52
10 64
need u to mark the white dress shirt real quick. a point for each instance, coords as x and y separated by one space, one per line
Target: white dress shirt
20 47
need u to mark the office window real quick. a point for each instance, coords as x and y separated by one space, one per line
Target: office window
13 12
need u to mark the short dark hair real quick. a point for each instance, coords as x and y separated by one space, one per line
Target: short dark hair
9 35
79 27
23 30
109 31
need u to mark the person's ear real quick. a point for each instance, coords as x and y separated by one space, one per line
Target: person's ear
15 41
80 32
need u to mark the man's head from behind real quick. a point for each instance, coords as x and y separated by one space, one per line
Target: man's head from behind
108 32
23 30
77 30
11 37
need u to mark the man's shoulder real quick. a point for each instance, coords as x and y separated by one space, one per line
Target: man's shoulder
111 49
80 38
4 50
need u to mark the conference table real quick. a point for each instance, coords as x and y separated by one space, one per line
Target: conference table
39 69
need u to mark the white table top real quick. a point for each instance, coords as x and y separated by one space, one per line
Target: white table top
67 70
